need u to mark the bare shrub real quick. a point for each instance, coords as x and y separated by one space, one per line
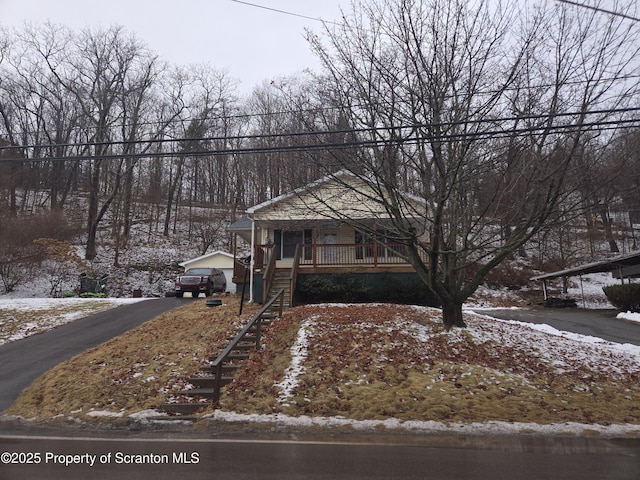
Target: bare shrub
62 264
509 275
19 255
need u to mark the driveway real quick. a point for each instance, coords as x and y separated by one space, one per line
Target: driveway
24 360
595 323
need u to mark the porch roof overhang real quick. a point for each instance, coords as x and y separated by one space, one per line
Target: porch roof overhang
242 227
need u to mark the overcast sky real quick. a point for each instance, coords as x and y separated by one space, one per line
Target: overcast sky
253 44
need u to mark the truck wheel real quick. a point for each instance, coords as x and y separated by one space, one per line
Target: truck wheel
179 294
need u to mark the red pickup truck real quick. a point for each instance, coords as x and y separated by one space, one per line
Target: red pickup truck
196 280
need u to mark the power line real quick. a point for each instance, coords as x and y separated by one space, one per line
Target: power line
284 12
320 146
327 133
598 9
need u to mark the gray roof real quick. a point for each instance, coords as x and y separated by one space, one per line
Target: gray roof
609 265
241 225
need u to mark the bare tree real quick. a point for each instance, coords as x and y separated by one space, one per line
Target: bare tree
109 74
479 109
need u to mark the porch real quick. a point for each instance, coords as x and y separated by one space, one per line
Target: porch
273 268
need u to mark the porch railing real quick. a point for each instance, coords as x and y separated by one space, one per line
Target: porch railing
352 255
260 262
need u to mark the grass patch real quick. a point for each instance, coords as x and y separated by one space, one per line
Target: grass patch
135 371
381 362
361 362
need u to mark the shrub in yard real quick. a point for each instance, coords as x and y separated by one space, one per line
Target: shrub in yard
411 291
509 275
335 288
625 298
349 288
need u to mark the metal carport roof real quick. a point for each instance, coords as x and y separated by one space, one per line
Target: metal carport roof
609 265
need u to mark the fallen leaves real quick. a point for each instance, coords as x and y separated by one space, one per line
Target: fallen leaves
394 361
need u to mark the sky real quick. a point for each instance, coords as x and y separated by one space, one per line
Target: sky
252 44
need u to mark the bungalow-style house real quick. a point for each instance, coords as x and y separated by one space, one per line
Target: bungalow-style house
305 233
218 259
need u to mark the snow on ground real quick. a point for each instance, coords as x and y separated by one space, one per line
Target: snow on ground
22 317
298 355
563 348
430 427
567 352
629 316
587 291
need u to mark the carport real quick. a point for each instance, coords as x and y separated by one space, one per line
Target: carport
623 266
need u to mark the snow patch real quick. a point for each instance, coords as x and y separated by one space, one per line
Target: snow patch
630 316
433 427
298 356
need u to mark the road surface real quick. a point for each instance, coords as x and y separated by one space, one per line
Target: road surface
24 360
595 323
459 458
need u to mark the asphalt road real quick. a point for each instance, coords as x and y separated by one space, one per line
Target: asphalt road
431 458
595 323
24 360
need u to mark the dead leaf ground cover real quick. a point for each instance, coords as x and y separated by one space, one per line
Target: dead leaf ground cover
392 361
357 361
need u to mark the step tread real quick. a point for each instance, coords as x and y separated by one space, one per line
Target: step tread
208 378
232 356
182 409
227 368
200 392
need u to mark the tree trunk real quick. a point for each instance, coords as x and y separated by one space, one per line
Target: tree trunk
608 230
127 204
92 212
452 315
173 191
13 203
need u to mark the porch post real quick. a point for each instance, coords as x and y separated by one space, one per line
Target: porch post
253 255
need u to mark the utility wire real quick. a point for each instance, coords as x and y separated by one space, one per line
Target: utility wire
324 146
284 12
598 9
347 131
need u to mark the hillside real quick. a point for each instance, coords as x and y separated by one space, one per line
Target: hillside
359 366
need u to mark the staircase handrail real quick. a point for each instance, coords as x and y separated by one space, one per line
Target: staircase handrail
293 276
256 321
268 272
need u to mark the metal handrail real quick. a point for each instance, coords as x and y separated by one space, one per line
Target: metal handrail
256 321
293 276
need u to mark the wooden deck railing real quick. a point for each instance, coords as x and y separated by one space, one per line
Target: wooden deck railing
371 255
260 262
321 255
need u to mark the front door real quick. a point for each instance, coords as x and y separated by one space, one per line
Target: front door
286 242
330 240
